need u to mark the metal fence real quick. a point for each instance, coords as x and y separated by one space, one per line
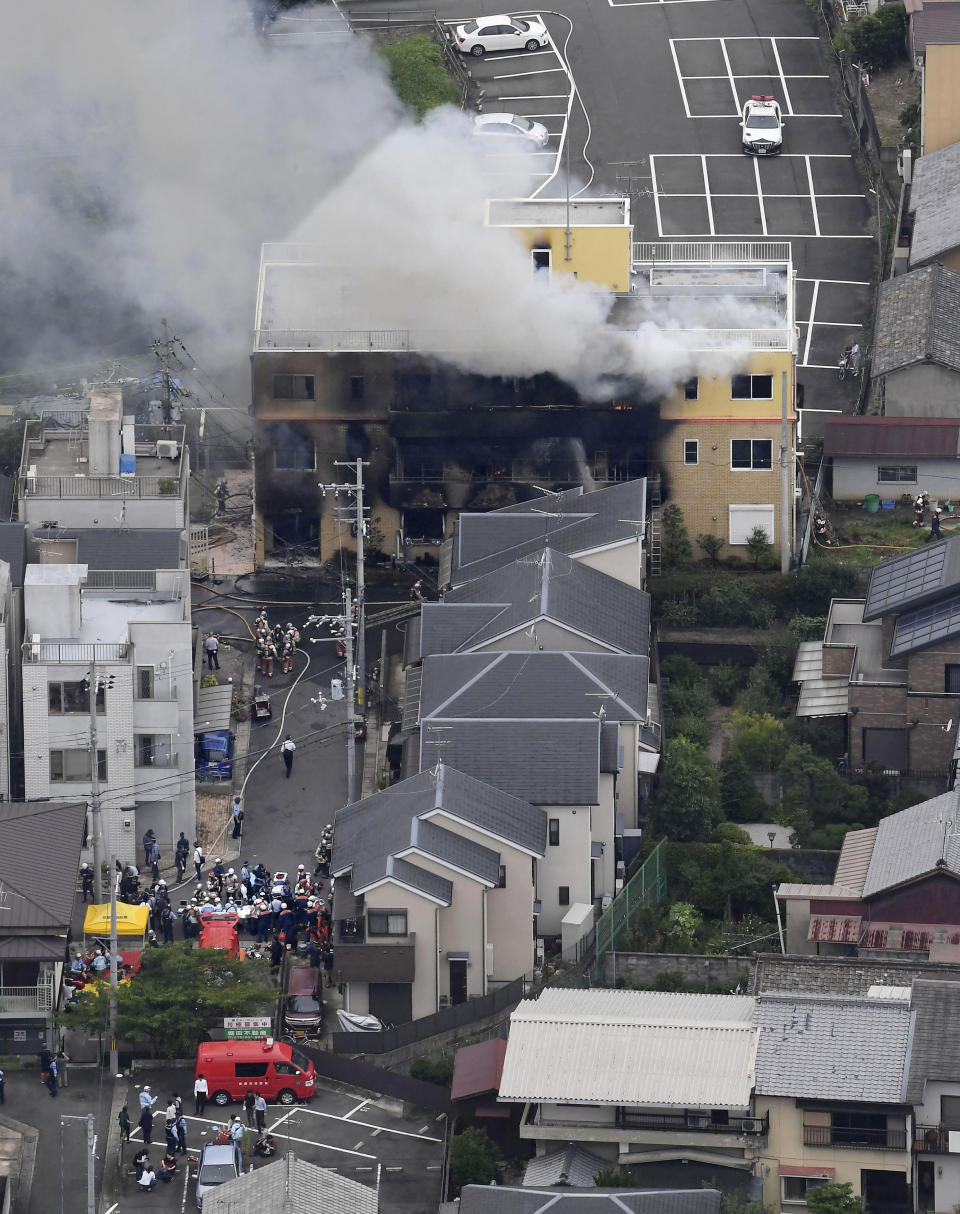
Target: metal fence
738 251
646 887
429 1026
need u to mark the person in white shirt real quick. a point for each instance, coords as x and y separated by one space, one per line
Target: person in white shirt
201 1092
148 1178
287 749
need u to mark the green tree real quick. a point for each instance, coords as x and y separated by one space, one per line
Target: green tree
738 794
878 40
681 671
179 994
725 682
430 1070
833 1198
731 603
758 545
729 832
473 1159
418 73
683 923
712 545
759 739
614 1178
814 795
687 802
676 543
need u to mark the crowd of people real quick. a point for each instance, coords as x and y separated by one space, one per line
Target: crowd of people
275 644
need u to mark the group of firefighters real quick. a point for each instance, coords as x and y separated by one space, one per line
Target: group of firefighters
276 644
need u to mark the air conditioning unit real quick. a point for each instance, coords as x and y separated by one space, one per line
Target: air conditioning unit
752 1125
167 448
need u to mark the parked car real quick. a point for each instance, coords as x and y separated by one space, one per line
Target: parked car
500 33
219 1162
233 1068
522 133
213 755
762 125
302 1005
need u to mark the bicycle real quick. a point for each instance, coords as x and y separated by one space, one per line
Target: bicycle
850 361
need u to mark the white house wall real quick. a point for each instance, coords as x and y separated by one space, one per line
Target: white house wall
421 919
625 563
567 864
854 477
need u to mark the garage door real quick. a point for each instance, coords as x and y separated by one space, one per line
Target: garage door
392 1002
743 519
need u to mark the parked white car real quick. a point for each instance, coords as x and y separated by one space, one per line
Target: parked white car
500 33
762 125
523 134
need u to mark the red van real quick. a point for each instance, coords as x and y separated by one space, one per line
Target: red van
302 1005
232 1068
220 932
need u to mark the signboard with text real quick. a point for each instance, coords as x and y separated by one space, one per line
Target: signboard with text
246 1028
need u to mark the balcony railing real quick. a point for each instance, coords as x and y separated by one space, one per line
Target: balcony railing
53 652
26 1000
100 486
697 1123
350 931
739 252
931 1139
852 1139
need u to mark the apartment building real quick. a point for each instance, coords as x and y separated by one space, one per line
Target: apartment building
122 637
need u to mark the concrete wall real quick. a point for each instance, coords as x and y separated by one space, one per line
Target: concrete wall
643 969
854 477
568 864
922 390
946 1170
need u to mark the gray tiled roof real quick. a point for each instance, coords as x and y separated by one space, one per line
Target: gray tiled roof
913 579
935 198
935 25
106 548
27 832
912 843
571 1165
499 1199
485 542
512 685
918 320
832 1048
372 835
290 1185
546 762
549 585
936 1035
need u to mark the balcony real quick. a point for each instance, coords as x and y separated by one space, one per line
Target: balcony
852 1139
932 1139
27 1000
363 962
53 653
698 1123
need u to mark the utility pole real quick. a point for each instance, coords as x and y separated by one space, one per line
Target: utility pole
351 701
359 700
96 821
114 977
91 1157
163 350
786 498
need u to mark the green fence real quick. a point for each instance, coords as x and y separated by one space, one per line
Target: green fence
646 887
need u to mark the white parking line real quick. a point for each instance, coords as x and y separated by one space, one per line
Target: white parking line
739 155
813 199
535 97
747 194
706 190
729 116
544 50
752 75
783 79
654 3
763 213
369 1125
676 64
656 198
357 1107
544 71
843 282
813 312
733 87
751 38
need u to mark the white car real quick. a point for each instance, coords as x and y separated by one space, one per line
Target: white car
762 125
500 33
513 127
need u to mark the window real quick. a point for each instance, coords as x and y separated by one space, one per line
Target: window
152 749
293 387
751 454
298 453
563 895
251 1070
67 766
691 451
284 1068
386 923
885 748
502 878
951 679
691 389
74 697
751 387
795 1188
898 474
541 258
949 1105
357 387
742 520
553 832
144 682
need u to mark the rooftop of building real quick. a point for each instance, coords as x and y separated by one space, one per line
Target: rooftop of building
558 212
501 1199
918 437
108 547
918 320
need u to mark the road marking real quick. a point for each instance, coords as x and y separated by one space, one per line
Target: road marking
676 64
783 79
357 1107
733 87
423 1129
739 155
544 50
113 1207
810 320
656 199
752 38
367 1125
813 199
751 75
536 97
358 1145
572 94
843 282
763 213
544 71
325 1146
729 116
706 191
841 324
431 1167
377 1131
749 194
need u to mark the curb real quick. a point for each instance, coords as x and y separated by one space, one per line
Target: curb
29 1137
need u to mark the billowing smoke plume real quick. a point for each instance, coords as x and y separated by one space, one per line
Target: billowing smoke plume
151 147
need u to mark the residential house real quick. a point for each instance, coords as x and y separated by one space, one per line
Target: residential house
476 1081
831 1084
890 456
890 663
128 634
915 367
940 114
97 468
560 1199
571 1165
604 529
436 879
719 442
933 1090
936 214
293 1186
896 890
38 885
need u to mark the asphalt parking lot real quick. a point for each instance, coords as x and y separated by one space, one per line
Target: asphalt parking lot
368 1138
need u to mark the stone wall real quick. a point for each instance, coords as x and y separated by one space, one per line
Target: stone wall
695 970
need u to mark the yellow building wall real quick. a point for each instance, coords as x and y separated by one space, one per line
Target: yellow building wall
714 392
601 255
785 1146
941 97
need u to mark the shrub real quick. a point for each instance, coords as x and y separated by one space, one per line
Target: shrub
758 545
732 603
879 39
712 546
418 74
678 615
759 739
807 627
614 1178
729 832
438 1071
676 542
725 682
681 671
809 590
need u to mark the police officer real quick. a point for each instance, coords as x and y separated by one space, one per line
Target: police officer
86 882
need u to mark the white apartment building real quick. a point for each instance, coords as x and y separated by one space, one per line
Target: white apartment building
129 630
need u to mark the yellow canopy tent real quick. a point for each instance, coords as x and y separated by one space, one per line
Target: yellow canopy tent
131 920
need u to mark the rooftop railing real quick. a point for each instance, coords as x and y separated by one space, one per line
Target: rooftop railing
702 252
50 653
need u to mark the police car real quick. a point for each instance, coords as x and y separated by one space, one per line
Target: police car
762 126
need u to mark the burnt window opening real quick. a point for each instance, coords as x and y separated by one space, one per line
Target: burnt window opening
357 387
293 387
542 257
423 525
295 452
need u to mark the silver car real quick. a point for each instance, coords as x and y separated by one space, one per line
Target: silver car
219 1162
513 127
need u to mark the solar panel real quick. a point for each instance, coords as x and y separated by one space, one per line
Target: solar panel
904 578
925 626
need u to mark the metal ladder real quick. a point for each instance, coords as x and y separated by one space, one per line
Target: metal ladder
656 527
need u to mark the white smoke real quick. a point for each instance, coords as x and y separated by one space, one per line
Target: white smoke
153 146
